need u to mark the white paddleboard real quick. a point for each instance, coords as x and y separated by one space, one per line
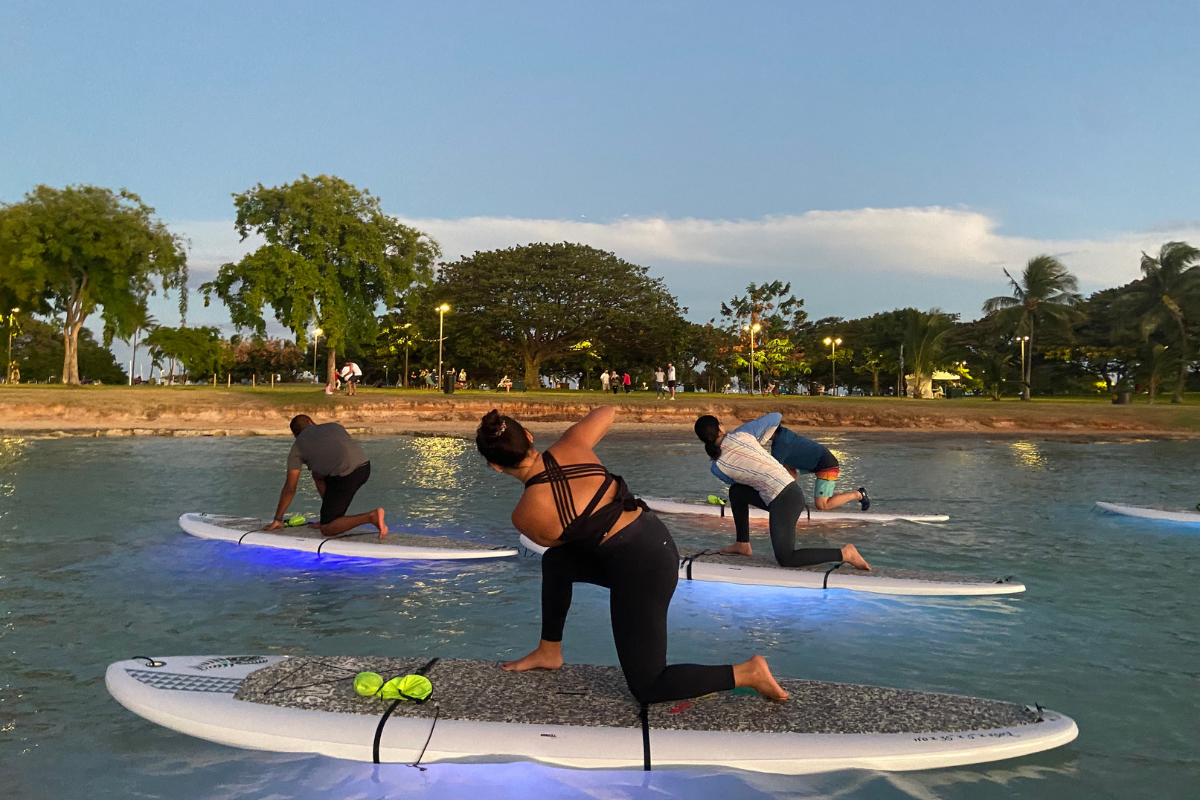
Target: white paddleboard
759 570
579 716
709 510
363 542
1145 512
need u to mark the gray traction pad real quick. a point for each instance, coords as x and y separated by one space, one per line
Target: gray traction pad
596 696
393 539
845 571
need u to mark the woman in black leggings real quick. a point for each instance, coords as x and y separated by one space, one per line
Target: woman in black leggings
615 542
757 479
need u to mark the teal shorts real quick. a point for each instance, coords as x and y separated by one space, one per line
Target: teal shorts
826 479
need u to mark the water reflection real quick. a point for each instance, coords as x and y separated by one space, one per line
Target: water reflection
437 462
1027 454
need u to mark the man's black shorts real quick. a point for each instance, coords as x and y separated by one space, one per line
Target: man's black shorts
340 490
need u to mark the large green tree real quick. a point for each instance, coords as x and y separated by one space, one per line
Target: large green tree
541 300
331 259
198 350
1046 293
38 354
1169 290
75 250
925 334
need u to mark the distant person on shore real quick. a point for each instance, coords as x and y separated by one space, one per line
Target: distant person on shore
628 382
506 383
604 381
757 479
671 379
660 381
339 468
798 454
596 531
350 375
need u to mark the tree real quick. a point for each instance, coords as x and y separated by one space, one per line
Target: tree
872 363
129 329
38 354
1046 292
1170 285
924 343
993 371
332 257
197 349
70 251
540 300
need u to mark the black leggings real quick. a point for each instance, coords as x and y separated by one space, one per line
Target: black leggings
785 509
639 565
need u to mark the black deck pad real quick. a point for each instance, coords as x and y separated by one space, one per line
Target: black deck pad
769 562
393 539
596 696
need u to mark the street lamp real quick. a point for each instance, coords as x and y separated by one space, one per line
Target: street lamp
407 342
753 329
833 343
8 364
1023 340
316 335
442 309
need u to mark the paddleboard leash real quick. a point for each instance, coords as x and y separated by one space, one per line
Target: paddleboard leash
825 583
328 539
645 717
685 563
383 721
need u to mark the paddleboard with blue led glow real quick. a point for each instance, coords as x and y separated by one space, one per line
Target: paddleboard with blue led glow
715 510
579 716
759 570
363 542
1145 512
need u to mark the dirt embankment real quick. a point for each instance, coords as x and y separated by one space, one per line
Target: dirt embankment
193 411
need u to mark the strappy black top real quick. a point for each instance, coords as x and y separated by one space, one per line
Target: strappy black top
594 522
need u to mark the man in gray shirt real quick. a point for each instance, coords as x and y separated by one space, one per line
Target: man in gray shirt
339 468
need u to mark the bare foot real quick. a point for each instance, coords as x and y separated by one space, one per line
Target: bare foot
548 655
737 549
377 521
757 675
850 556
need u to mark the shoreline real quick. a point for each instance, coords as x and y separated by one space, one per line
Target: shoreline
120 411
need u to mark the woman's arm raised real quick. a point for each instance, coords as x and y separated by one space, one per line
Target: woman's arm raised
591 429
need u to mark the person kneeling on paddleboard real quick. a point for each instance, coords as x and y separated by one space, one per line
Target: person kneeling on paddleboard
798 454
615 542
339 468
757 479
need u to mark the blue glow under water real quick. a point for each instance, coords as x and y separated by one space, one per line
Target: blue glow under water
94 569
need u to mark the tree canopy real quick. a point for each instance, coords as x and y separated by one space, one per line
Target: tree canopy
540 300
331 259
71 251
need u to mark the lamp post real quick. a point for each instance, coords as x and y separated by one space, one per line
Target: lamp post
1023 340
833 343
407 342
753 329
8 364
316 336
442 309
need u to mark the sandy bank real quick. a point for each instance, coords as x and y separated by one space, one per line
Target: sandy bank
201 411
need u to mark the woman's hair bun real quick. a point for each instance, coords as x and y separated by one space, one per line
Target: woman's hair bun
501 439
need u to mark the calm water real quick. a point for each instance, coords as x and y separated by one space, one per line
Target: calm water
93 569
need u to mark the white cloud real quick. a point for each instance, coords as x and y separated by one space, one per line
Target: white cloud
930 242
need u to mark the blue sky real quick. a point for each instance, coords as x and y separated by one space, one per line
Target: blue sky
875 154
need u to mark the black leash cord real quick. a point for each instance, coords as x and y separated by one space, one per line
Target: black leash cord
244 535
383 720
437 710
150 662
825 583
645 715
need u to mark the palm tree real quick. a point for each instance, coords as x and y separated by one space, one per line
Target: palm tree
1171 282
129 329
1046 292
925 341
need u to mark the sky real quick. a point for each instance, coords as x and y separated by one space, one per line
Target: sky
874 154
